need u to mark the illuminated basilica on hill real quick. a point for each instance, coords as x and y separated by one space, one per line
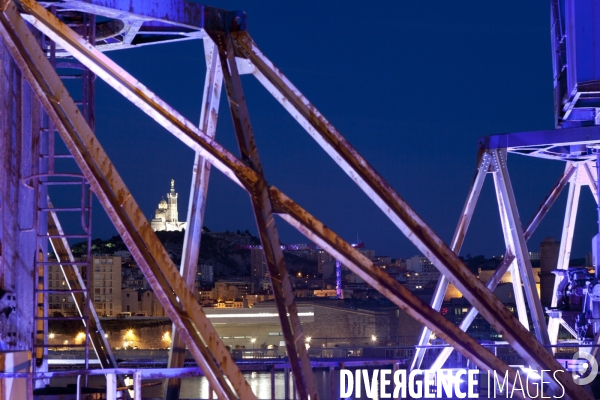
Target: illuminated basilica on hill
166 216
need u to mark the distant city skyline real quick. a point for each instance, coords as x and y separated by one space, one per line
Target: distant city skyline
465 71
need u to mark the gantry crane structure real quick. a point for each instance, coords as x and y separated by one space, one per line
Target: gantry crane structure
37 39
575 303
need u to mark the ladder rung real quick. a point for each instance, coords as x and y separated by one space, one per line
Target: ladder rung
57 156
63 209
61 263
59 183
70 76
54 175
65 236
70 65
56 291
61 318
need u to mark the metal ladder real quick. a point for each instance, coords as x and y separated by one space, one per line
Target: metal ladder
74 276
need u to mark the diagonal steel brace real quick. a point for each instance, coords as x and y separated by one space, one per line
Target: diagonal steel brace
261 203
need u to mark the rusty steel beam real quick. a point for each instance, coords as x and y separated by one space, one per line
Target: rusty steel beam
399 212
164 278
475 292
281 285
535 221
197 204
314 230
483 165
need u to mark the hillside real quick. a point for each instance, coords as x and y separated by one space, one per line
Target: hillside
228 252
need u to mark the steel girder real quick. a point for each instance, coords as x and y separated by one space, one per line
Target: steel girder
508 259
263 213
136 23
531 350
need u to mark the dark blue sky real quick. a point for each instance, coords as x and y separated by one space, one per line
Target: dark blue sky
411 85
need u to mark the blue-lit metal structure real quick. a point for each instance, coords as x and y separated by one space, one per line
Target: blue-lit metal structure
30 82
575 34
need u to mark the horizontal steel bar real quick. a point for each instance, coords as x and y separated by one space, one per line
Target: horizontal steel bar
46 263
65 236
182 15
146 373
64 209
58 156
54 175
61 183
552 137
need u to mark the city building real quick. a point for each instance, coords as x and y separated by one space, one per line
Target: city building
229 304
421 273
258 263
61 303
370 254
325 263
206 273
382 261
399 264
419 264
166 216
421 280
105 287
130 301
232 290
133 278
150 305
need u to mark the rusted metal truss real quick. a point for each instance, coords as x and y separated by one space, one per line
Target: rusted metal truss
238 50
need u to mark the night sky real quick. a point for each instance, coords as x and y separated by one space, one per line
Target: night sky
411 85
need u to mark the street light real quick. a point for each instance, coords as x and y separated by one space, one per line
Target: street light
253 340
308 339
373 338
